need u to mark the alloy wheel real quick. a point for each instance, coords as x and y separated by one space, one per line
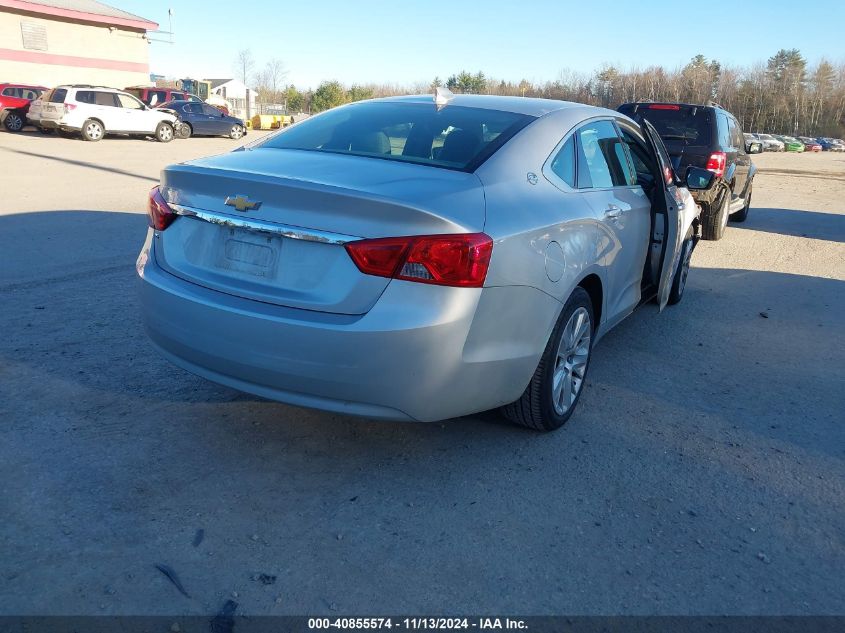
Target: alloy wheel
14 122
571 360
94 131
236 132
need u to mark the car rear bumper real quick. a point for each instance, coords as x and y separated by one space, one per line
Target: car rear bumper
422 353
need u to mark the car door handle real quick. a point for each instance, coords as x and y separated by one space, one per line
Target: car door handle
612 212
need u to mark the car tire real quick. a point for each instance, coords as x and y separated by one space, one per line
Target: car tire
713 222
92 130
679 282
164 132
742 214
553 393
185 131
14 121
236 132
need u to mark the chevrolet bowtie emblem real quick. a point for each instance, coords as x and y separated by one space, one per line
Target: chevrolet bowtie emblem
242 203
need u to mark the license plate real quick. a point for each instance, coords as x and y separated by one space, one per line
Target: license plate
245 252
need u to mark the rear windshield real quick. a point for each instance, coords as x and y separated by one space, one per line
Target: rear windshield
676 122
453 137
57 96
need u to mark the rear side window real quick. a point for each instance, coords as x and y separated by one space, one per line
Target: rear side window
454 137
724 131
95 97
563 164
11 92
208 110
58 95
156 97
602 159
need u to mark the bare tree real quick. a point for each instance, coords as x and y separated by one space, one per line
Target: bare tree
244 64
274 74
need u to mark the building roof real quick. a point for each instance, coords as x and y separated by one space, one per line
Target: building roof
218 82
86 10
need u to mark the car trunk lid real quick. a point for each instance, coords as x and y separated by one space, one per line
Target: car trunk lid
280 239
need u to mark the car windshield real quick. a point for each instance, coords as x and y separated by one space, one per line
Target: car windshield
453 137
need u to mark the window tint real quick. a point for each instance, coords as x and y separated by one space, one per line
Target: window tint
640 157
193 108
58 95
736 134
563 164
675 122
156 97
129 102
9 92
208 110
454 137
601 159
724 131
95 98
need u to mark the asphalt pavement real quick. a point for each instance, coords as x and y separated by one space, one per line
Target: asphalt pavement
702 473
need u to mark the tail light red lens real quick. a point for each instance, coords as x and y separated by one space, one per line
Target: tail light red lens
447 260
716 163
159 215
70 106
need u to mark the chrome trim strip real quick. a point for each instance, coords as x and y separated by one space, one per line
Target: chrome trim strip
285 230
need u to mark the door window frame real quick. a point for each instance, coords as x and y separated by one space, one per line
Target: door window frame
560 183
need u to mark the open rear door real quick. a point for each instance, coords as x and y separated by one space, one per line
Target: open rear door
669 204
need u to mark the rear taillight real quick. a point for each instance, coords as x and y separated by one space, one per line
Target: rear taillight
159 215
447 260
716 163
69 107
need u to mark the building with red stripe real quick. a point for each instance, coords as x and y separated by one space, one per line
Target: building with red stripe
52 42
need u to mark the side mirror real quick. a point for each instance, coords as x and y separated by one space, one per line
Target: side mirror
754 147
699 179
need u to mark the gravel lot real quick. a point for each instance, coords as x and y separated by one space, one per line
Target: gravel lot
702 474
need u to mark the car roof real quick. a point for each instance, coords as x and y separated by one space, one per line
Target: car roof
518 105
14 85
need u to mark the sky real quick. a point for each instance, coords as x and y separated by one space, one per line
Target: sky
406 42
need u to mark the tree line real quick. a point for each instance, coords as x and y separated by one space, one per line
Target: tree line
783 95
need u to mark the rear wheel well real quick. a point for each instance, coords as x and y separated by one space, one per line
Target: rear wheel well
592 284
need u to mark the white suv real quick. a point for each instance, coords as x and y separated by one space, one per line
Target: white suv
95 111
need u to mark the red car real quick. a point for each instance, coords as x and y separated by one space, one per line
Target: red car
810 144
14 103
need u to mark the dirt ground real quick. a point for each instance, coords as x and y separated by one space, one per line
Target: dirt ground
702 474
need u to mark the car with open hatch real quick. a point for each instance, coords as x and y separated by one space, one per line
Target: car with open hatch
92 112
418 258
708 136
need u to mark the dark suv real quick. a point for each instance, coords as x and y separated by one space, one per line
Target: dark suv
706 136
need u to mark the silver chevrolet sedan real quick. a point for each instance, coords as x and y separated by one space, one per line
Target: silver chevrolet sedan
417 258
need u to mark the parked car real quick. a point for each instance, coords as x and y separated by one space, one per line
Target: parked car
828 144
790 144
94 111
201 119
154 97
810 144
770 143
417 260
837 145
14 104
710 137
